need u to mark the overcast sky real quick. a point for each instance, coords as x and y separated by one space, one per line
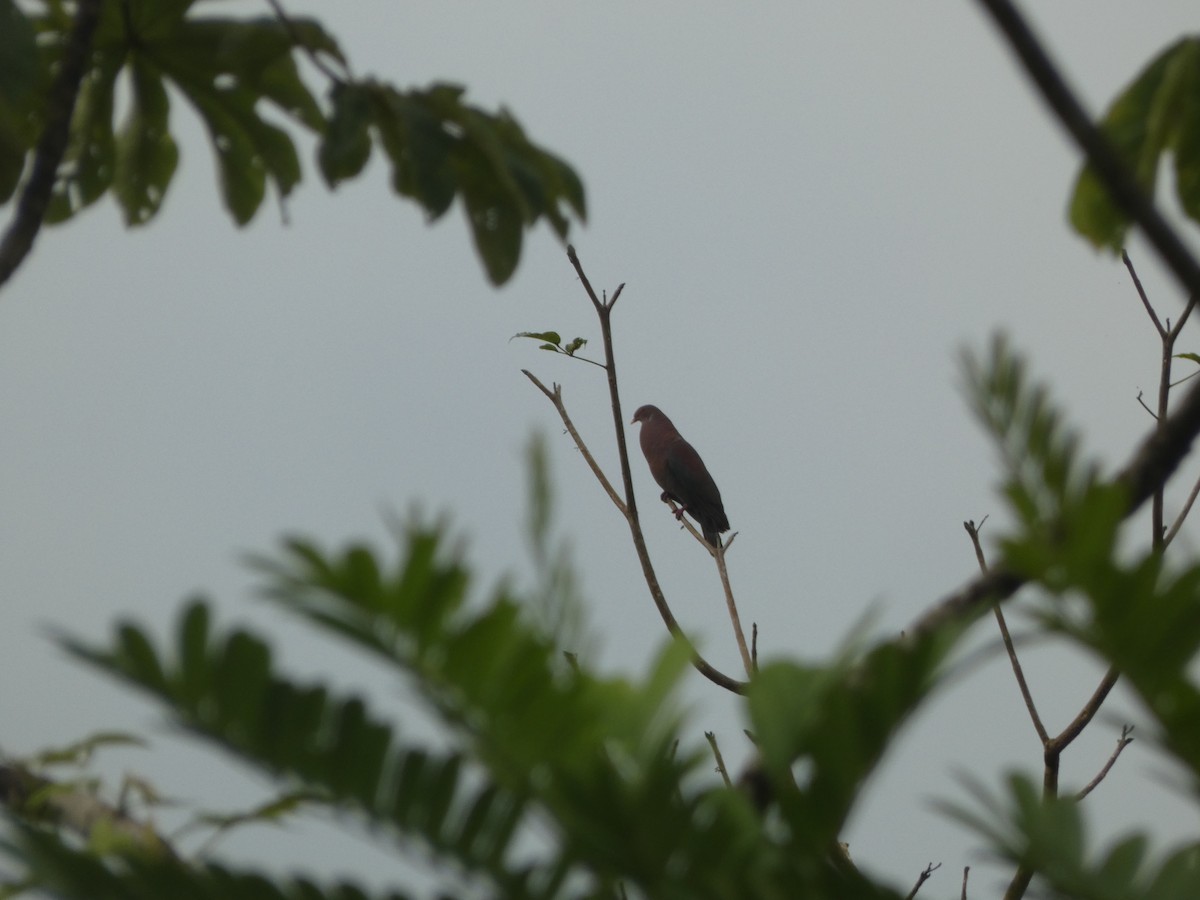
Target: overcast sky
814 207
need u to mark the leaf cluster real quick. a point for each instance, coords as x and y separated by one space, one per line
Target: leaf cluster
553 781
1157 114
244 78
1127 607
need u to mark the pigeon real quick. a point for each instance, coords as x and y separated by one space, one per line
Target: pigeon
680 472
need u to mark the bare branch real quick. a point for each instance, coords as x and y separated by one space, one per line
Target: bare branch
718 554
599 304
1009 647
60 106
1183 514
922 878
555 397
1086 714
731 605
1187 312
1122 742
712 742
1145 407
966 871
1137 283
1167 336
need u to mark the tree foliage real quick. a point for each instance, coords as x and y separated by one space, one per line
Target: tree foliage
247 80
1157 114
551 780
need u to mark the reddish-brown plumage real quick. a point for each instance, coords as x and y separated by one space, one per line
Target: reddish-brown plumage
681 473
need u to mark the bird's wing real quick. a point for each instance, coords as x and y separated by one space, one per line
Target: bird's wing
688 472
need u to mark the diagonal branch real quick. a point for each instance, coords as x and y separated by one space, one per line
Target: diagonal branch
1009 647
1108 165
1122 742
60 106
555 397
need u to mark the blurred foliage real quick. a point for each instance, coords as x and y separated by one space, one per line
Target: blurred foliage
552 781
1123 604
245 79
549 779
1157 114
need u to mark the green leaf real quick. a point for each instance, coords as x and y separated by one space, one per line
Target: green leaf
18 54
18 78
418 143
146 155
1179 877
346 146
1187 130
550 337
440 146
1124 860
194 635
138 659
1155 114
89 162
822 731
224 67
495 220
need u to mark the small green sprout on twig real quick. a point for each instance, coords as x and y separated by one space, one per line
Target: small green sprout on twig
552 341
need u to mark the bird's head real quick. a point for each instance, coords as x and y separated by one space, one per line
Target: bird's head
646 414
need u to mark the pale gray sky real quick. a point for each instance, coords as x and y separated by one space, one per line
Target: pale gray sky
814 207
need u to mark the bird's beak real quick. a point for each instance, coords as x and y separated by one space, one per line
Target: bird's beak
633 421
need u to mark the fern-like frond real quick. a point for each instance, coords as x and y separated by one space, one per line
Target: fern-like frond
67 872
225 687
1039 451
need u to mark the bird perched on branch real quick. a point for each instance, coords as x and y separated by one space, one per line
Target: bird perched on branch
680 472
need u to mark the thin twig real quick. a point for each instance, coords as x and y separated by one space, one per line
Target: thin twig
1137 283
1145 407
1167 336
1052 755
712 742
731 605
60 107
598 365
1088 712
1155 460
1009 647
718 554
1187 311
754 644
1122 742
966 870
922 878
555 396
1183 514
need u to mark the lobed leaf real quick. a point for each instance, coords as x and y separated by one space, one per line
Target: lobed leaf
1158 113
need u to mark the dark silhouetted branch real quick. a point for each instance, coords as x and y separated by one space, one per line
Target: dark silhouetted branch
60 106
